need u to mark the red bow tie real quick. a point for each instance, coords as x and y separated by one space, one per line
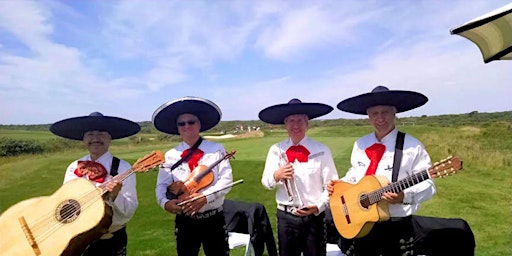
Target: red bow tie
297 152
95 171
194 158
374 152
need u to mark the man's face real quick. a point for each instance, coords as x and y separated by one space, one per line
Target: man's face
382 118
296 125
97 142
188 125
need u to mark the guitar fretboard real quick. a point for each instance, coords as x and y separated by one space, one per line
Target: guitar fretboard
396 187
120 177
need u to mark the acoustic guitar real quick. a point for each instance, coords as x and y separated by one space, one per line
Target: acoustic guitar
357 207
45 225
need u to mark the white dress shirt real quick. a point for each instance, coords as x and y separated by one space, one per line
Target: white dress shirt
222 173
415 159
126 202
311 177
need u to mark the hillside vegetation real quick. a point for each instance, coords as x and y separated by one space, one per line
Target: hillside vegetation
21 139
479 194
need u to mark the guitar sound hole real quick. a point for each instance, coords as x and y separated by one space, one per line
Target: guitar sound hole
365 201
68 211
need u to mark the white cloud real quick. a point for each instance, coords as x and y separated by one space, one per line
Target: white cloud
301 29
59 59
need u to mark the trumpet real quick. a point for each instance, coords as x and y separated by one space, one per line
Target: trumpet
290 186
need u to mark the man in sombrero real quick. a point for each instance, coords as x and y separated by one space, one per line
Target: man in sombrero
299 168
97 131
376 154
198 222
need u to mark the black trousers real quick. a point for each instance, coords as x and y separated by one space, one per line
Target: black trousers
298 235
209 232
115 246
390 238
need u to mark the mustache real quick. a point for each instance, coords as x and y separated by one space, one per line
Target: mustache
96 142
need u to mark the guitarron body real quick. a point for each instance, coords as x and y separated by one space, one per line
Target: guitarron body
45 225
352 219
65 222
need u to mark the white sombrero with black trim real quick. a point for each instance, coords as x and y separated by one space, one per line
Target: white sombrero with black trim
74 128
277 113
381 95
165 116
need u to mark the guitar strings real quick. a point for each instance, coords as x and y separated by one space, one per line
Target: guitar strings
49 224
84 203
376 196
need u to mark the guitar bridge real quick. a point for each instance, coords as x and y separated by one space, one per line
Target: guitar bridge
345 210
29 235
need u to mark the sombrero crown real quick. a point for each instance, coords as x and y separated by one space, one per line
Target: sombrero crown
165 116
74 128
277 113
381 95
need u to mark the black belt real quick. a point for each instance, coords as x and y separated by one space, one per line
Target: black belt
206 214
286 208
393 219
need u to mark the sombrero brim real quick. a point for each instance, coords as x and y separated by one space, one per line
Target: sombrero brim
164 118
74 128
277 113
402 100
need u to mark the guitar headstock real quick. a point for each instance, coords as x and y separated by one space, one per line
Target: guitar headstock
445 167
149 161
230 155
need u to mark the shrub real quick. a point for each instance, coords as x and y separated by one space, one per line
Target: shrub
12 147
60 144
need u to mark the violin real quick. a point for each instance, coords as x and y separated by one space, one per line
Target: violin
200 178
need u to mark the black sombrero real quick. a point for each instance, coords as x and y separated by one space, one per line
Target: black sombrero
74 128
381 95
164 117
277 113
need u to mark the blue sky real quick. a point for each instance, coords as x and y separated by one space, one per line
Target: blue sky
61 59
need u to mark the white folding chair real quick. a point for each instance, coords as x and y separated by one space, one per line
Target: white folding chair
237 240
333 250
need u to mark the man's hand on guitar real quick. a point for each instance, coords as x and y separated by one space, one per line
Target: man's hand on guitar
393 198
284 172
113 187
330 186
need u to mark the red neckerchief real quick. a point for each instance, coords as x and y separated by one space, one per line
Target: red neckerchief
194 158
374 152
299 152
95 171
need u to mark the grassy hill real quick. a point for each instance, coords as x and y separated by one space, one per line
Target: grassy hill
480 193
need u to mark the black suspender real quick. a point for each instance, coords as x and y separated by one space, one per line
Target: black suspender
169 194
189 154
115 166
399 146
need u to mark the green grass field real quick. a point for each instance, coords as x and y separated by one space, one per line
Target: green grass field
480 193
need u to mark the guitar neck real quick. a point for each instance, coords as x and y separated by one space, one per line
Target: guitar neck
398 186
120 177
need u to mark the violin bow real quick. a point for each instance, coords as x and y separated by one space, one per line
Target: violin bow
213 192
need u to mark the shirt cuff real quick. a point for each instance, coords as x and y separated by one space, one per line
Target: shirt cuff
163 201
408 197
321 208
210 198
